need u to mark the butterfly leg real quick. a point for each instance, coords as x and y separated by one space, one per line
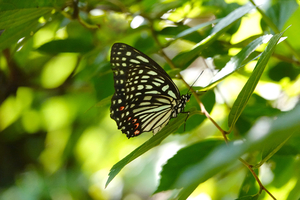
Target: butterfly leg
188 114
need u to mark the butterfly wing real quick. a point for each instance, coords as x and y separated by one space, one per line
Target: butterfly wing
144 93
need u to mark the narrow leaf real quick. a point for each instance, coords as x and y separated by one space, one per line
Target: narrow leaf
196 28
152 142
269 151
249 87
232 17
186 58
236 62
259 136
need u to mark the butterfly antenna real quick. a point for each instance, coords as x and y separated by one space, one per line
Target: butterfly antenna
188 113
195 81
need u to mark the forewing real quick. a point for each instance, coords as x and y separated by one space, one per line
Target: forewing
124 57
144 93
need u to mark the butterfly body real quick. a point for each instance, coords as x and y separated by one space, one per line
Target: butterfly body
145 96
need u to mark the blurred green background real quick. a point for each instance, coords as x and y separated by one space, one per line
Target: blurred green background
57 140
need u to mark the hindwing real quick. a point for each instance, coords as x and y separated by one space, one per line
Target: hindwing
145 95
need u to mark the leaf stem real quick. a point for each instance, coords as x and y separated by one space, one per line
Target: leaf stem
203 110
202 107
261 186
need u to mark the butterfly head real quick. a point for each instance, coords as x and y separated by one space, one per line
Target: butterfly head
184 99
187 97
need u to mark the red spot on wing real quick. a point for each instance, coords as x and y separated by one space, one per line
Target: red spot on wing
136 125
121 108
134 120
137 132
129 118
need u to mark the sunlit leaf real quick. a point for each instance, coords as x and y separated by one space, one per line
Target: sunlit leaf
184 158
152 142
259 136
249 87
235 62
232 17
196 28
186 58
20 18
280 12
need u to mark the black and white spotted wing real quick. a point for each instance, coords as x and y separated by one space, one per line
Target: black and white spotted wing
145 96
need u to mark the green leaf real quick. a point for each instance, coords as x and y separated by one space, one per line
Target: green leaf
208 99
152 142
19 5
13 18
20 18
232 17
286 167
172 32
67 45
252 197
291 147
184 158
235 62
104 102
184 59
249 87
282 70
249 185
219 159
257 107
13 34
174 72
270 150
195 28
280 12
295 192
261 135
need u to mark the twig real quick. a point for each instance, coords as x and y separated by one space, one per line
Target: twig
203 110
261 186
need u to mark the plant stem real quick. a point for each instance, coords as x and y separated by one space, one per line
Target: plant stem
203 110
261 187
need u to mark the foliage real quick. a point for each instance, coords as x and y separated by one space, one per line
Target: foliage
241 140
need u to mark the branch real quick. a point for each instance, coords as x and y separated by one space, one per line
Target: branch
203 110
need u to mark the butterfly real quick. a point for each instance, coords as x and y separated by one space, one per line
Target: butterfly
145 97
